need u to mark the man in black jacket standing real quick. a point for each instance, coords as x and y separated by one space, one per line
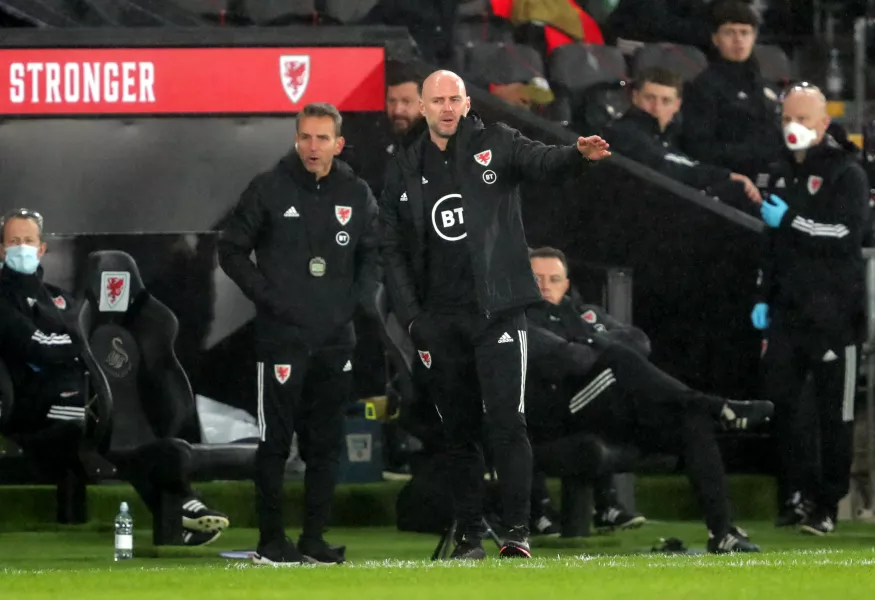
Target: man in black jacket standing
648 133
730 115
312 225
458 276
811 306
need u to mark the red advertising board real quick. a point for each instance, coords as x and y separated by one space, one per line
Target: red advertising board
155 81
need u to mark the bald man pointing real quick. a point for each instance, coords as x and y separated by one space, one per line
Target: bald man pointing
458 276
811 306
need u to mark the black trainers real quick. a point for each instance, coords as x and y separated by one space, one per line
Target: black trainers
740 415
322 552
468 549
196 516
280 554
516 544
544 527
795 511
735 540
818 523
617 517
199 538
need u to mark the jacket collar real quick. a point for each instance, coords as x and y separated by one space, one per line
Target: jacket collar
19 284
291 163
650 124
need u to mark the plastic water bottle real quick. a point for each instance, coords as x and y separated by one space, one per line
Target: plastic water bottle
124 534
835 80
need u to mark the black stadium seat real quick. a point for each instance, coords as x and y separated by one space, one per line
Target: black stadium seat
774 64
686 61
501 63
129 336
280 12
348 12
590 84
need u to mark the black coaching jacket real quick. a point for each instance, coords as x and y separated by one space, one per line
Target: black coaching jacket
287 218
812 271
490 162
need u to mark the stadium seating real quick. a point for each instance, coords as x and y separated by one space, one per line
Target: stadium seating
129 336
686 61
501 63
590 85
774 64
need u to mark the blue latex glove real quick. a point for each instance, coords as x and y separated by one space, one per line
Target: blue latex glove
772 210
760 316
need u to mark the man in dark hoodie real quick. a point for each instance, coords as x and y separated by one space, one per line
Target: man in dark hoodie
312 226
46 363
648 133
810 306
730 115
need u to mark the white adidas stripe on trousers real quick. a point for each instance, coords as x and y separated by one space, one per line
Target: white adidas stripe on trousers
600 383
524 358
850 383
262 425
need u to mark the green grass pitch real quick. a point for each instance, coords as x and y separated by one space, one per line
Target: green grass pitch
76 562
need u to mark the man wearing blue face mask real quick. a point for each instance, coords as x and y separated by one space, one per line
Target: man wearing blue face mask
41 353
811 307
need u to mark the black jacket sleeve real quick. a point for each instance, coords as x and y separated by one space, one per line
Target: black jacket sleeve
617 331
555 358
537 162
22 337
241 230
394 251
367 255
631 142
842 236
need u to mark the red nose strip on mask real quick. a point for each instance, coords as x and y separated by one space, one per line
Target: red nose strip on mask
792 138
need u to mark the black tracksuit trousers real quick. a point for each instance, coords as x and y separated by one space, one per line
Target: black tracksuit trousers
476 373
626 399
786 363
301 392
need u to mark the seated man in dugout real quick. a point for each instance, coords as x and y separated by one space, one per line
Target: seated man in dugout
43 356
589 375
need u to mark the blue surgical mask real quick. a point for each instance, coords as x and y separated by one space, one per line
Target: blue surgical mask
23 258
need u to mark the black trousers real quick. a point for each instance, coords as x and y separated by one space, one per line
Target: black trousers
786 363
47 424
625 399
305 393
476 374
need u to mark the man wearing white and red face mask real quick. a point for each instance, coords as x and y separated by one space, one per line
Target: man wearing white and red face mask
810 305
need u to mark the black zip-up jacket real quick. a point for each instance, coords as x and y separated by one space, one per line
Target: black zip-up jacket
35 336
812 272
502 272
637 135
731 118
288 218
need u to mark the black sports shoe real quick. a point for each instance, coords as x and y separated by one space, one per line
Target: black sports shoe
320 551
516 544
468 549
746 414
617 517
545 527
735 540
280 554
199 538
795 511
818 523
198 517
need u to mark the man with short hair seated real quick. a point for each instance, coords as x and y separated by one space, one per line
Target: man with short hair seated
649 133
42 354
589 375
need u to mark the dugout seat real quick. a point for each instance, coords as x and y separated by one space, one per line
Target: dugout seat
129 338
423 423
686 61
